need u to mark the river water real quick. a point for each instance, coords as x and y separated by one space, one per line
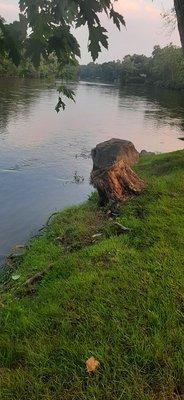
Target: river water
43 155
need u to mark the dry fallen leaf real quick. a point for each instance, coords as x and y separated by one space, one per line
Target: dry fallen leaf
92 365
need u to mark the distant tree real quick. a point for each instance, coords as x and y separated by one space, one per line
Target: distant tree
50 24
167 67
11 39
140 62
156 50
127 69
134 68
109 72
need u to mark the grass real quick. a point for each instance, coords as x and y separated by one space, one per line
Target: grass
118 298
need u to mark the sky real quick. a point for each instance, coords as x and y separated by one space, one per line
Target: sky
145 28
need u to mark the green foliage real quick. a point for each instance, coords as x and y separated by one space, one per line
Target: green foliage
117 298
11 39
47 69
49 33
107 72
97 35
165 69
70 94
117 18
50 24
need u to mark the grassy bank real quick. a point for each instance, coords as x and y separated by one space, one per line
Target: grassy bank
116 297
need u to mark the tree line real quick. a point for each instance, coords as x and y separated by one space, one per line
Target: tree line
45 30
165 68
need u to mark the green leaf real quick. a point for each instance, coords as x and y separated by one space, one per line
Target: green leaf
60 105
35 48
67 93
118 19
64 44
97 36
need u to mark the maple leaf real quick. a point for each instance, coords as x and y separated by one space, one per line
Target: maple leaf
117 19
97 35
60 105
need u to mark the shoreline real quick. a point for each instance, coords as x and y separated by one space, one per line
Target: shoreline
13 252
84 289
134 85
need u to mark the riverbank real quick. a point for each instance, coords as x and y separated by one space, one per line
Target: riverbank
96 292
135 84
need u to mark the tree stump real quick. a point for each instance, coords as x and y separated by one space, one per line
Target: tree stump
112 175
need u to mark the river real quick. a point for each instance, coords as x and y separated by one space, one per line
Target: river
45 158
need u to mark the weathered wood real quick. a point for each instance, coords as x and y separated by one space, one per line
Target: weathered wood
112 175
179 8
107 153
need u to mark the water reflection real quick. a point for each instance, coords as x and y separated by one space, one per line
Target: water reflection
16 97
161 104
42 153
158 122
